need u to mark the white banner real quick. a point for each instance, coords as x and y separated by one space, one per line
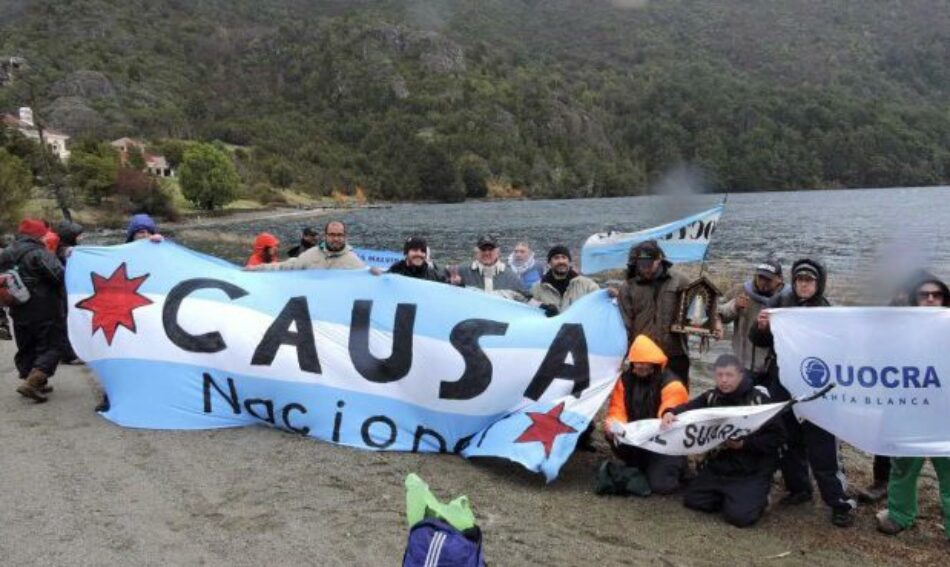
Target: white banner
699 431
889 365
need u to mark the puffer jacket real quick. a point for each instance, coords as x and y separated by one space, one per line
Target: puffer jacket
579 286
42 273
319 258
760 451
648 307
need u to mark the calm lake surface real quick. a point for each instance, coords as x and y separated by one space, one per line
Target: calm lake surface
861 235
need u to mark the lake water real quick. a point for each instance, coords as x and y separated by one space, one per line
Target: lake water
853 231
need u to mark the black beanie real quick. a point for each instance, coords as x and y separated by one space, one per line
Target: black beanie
559 249
415 243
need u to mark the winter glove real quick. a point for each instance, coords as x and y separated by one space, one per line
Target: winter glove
549 310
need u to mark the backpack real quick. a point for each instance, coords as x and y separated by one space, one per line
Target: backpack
13 290
434 543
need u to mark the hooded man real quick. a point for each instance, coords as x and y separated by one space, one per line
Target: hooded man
333 254
416 264
69 233
265 250
734 478
308 240
901 511
522 261
761 292
648 301
809 446
646 390
488 273
38 324
561 285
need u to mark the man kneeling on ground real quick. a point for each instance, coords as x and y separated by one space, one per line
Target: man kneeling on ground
735 477
646 390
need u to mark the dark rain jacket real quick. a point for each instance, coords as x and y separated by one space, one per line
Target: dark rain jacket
760 451
424 272
42 274
764 338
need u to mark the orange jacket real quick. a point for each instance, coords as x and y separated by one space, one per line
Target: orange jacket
672 390
263 240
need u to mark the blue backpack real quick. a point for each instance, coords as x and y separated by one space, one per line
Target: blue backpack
434 543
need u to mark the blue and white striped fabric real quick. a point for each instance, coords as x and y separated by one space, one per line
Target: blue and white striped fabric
684 240
382 259
181 340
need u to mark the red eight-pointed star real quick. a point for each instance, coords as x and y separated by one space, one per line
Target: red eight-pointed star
545 427
113 300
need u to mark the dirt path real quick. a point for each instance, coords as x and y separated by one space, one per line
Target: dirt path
77 490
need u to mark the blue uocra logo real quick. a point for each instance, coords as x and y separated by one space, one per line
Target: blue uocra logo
815 372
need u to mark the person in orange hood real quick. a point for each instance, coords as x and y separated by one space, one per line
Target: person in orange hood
645 390
265 250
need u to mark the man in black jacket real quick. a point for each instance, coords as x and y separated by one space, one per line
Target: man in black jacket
809 446
416 262
735 477
308 239
38 323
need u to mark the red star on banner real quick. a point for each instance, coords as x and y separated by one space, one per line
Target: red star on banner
113 300
545 427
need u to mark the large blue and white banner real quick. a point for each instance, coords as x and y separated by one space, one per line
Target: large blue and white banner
181 340
890 367
684 240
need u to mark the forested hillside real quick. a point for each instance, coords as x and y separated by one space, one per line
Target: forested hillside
549 98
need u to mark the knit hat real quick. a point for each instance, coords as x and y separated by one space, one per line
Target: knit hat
644 350
140 222
32 227
415 243
310 231
559 250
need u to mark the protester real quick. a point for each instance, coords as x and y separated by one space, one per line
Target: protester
648 301
808 444
308 240
38 324
736 477
522 261
901 509
488 273
69 234
561 285
416 263
265 250
761 292
646 390
142 226
333 254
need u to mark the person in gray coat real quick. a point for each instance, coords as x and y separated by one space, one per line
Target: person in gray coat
488 273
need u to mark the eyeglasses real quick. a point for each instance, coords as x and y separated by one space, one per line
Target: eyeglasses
336 235
929 295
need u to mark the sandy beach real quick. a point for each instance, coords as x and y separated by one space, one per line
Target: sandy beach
78 490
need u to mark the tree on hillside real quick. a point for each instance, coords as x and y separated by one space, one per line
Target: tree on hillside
92 170
438 178
474 172
208 177
15 185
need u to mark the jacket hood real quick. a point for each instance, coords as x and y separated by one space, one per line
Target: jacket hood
265 240
140 222
822 278
925 278
644 350
32 227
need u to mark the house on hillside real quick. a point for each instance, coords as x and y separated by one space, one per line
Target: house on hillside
55 141
155 165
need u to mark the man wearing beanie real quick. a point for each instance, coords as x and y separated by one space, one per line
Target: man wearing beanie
38 324
561 285
415 264
809 446
649 299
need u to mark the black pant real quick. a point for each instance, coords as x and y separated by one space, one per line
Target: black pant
810 446
663 472
882 469
679 365
742 499
39 345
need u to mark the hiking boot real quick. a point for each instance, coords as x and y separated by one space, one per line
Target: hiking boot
103 405
843 517
874 493
33 385
795 498
886 525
